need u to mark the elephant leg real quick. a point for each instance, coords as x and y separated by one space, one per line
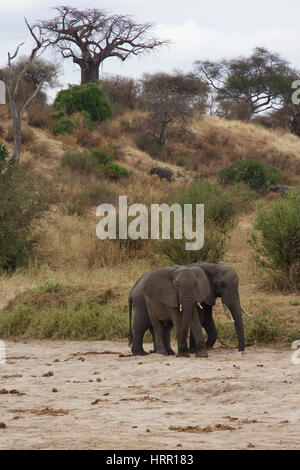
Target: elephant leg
137 343
154 350
159 335
208 324
182 347
141 323
192 342
210 327
167 337
198 335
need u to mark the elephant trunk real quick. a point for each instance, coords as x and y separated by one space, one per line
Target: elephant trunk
187 303
236 313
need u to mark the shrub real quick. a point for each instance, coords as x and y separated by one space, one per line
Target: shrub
221 207
64 126
86 98
80 161
27 135
115 171
276 241
102 156
21 203
39 116
251 172
92 162
4 157
122 92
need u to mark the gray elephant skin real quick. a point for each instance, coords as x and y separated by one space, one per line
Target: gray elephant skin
169 297
223 282
279 189
162 172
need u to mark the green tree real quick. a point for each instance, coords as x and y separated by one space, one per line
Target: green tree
262 81
22 202
84 98
276 241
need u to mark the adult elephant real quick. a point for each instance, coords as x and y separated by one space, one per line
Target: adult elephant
165 297
223 282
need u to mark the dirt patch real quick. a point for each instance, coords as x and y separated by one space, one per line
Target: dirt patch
198 430
225 401
50 412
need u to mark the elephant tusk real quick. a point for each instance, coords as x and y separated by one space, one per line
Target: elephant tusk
226 311
180 307
199 305
246 313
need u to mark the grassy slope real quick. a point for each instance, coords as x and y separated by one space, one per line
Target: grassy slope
72 256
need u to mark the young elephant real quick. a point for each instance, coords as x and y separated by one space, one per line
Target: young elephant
169 296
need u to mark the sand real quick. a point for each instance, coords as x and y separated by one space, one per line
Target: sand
83 395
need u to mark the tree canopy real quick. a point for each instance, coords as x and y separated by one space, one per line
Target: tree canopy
262 81
90 36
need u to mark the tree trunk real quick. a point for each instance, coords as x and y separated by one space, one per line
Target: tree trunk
16 125
17 139
89 73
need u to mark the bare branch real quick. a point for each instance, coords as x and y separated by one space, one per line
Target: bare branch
97 36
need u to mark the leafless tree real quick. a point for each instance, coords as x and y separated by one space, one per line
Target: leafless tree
13 85
90 36
171 99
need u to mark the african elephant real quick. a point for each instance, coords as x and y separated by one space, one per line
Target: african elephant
223 283
165 297
162 172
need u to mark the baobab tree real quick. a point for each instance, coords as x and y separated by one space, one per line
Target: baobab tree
13 79
90 36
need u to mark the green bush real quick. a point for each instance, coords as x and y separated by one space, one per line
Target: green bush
83 162
64 126
4 157
21 203
87 98
221 206
102 156
115 171
274 175
254 174
276 241
93 162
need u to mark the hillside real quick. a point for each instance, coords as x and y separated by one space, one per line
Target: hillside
69 254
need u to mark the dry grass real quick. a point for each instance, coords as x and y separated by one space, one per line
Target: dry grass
70 253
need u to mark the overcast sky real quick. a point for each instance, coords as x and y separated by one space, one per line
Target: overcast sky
199 29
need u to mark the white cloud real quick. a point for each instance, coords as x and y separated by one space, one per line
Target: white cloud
199 30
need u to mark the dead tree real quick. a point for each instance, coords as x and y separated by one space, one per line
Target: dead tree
13 85
90 36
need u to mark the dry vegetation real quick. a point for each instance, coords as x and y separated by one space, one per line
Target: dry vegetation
70 255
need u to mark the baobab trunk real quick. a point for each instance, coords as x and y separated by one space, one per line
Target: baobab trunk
89 73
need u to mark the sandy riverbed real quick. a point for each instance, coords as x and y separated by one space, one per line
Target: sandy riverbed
82 395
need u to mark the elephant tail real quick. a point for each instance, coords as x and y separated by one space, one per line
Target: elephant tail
130 335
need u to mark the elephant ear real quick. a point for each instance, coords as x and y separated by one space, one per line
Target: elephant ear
203 284
203 276
159 286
